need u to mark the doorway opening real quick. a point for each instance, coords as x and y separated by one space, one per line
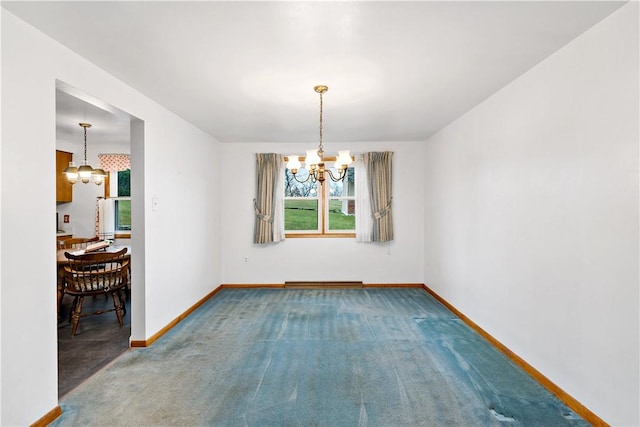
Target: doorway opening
99 339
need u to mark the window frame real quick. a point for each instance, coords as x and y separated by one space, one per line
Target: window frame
119 234
323 199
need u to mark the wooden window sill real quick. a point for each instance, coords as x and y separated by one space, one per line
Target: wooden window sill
321 235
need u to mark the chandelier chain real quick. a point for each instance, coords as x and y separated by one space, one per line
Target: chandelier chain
321 147
85 144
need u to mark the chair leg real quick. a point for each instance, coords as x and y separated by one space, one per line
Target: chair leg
60 297
73 307
123 301
117 306
75 317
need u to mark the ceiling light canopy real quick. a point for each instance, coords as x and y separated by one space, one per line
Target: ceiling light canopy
85 172
314 159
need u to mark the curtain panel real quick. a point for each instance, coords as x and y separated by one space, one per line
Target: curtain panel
364 219
105 218
278 216
378 166
268 174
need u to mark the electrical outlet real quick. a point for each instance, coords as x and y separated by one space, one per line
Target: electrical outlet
65 219
246 260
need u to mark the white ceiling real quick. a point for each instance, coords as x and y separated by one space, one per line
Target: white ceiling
245 71
108 124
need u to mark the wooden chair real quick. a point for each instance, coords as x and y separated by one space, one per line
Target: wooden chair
77 242
96 273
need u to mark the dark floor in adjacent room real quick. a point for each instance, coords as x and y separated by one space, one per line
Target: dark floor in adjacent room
315 357
99 340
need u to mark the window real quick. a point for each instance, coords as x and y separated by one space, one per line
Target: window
123 183
123 214
119 188
312 209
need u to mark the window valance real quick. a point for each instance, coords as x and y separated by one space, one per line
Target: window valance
114 162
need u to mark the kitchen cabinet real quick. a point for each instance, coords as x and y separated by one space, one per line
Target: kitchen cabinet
64 192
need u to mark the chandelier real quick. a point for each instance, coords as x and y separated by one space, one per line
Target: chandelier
314 160
85 172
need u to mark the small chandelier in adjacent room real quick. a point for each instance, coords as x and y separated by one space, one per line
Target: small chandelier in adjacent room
314 160
85 172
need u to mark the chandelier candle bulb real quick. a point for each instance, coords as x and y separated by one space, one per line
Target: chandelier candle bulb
85 172
294 163
72 172
344 159
98 176
312 158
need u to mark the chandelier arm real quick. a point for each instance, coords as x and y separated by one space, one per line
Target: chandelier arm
340 176
302 182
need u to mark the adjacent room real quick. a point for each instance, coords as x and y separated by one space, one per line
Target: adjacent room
89 212
325 189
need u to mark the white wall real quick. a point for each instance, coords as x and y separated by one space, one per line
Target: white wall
176 163
531 217
1 222
322 259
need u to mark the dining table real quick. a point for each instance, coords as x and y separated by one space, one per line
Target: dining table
62 261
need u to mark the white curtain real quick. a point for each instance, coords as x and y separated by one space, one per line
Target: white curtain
364 220
278 215
106 218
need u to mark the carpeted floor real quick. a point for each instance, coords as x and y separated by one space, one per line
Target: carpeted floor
98 341
315 357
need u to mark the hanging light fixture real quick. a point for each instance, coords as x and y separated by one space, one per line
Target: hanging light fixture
314 160
85 172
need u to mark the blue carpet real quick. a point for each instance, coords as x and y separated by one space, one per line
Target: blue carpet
316 357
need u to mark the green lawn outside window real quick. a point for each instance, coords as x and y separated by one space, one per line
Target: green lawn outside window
301 215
